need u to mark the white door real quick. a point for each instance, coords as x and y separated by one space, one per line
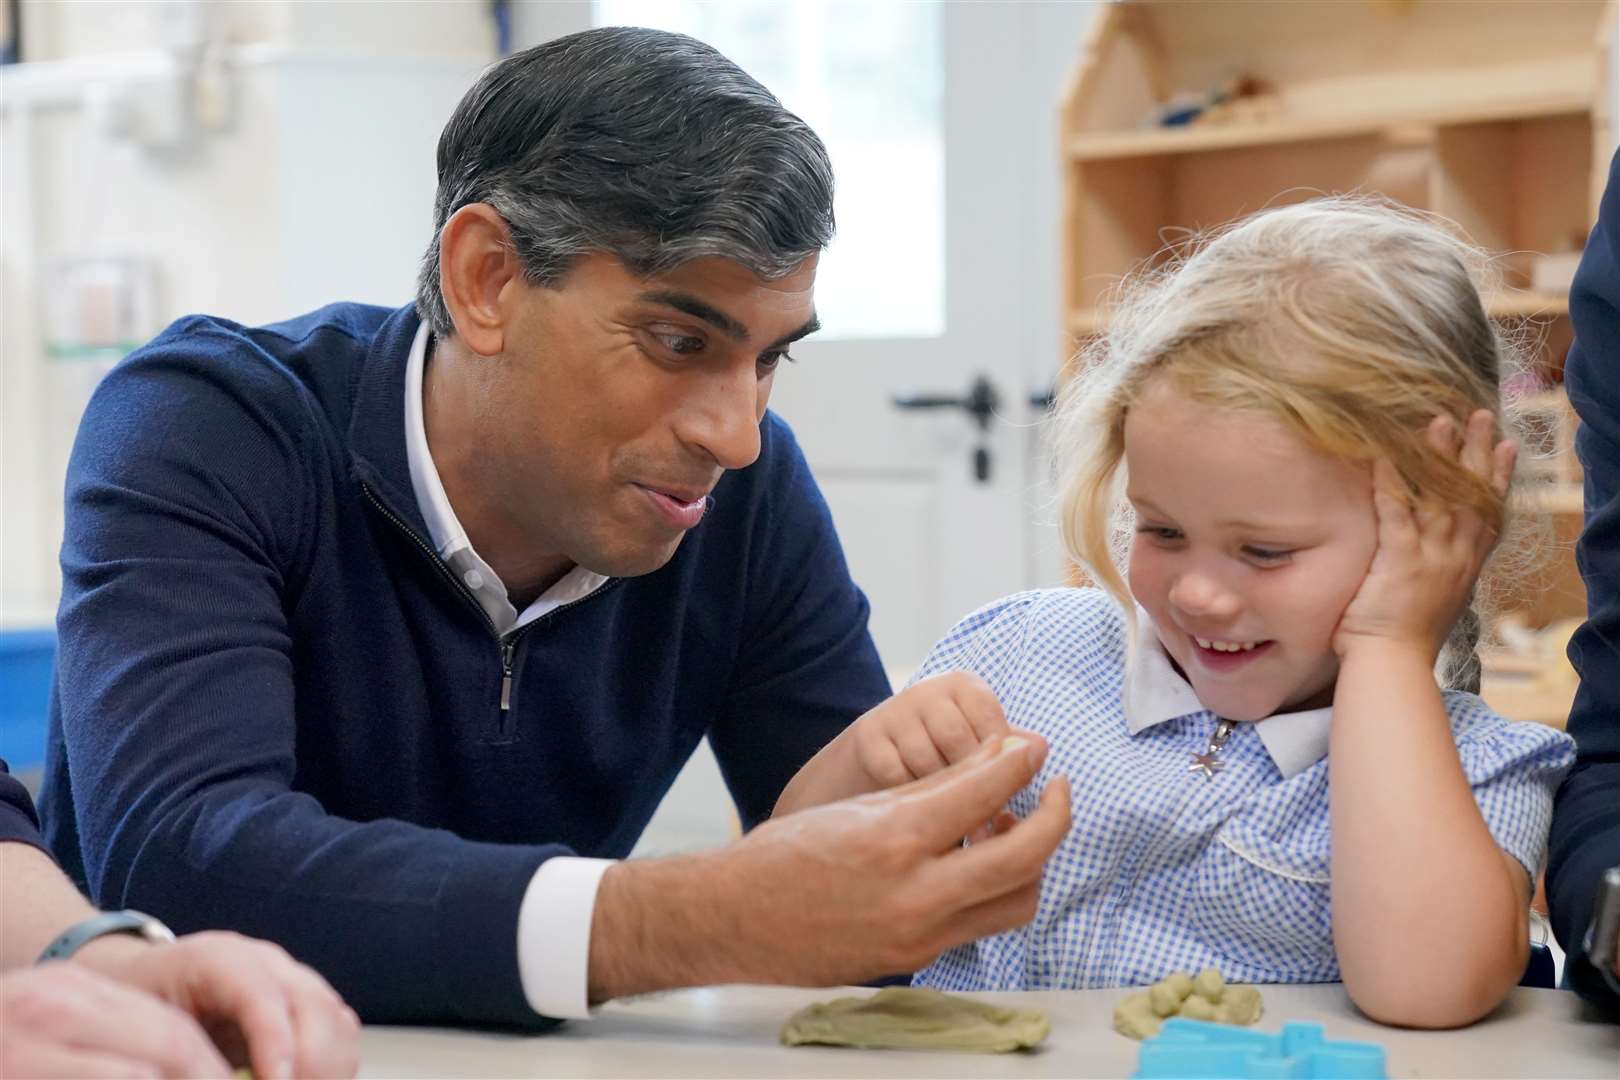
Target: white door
926 538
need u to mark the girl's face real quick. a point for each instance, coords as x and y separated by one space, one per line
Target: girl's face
1249 546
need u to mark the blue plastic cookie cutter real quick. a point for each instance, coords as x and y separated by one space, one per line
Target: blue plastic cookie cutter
1195 1048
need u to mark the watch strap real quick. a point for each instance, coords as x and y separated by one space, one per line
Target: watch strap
82 933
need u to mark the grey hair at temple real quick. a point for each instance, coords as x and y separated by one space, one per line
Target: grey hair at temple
646 145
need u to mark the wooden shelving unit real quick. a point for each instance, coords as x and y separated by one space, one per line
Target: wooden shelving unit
1496 116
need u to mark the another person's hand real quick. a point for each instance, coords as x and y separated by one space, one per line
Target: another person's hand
261 1007
63 1020
932 724
1428 556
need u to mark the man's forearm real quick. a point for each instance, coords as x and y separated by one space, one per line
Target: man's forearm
657 927
37 902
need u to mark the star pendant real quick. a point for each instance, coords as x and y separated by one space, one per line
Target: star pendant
1208 764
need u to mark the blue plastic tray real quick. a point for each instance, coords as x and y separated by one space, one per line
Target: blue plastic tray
1194 1048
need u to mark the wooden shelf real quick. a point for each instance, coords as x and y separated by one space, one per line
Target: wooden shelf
1507 304
1559 499
1087 321
1402 130
1500 124
1510 303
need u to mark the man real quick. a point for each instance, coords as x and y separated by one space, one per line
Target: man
1585 839
377 624
112 1002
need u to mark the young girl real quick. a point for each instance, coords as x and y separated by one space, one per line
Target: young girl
1304 421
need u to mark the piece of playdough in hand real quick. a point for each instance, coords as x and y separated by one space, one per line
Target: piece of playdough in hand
1204 997
915 1018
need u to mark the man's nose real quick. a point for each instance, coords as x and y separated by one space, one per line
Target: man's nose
1200 594
724 419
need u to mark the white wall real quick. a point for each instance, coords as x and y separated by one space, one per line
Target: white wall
316 185
64 29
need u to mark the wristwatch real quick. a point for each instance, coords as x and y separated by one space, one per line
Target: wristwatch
81 934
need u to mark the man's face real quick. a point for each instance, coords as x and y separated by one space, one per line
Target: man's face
618 401
1249 546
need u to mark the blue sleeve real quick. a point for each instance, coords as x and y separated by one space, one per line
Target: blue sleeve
988 642
806 666
18 821
189 509
1586 819
1513 767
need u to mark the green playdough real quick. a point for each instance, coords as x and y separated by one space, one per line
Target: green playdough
1206 997
915 1018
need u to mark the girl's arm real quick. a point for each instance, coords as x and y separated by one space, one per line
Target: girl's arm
1429 914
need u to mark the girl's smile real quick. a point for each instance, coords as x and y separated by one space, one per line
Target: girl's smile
1221 657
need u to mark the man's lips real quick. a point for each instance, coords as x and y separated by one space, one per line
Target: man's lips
679 508
680 493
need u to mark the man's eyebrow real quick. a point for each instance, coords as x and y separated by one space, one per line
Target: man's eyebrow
804 331
691 305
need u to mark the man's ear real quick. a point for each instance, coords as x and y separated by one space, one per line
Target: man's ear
477 269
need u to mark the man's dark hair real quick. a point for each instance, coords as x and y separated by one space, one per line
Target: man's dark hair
646 145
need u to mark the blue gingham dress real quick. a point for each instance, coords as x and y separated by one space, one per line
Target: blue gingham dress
1165 870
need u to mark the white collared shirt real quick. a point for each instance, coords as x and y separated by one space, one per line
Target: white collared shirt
554 919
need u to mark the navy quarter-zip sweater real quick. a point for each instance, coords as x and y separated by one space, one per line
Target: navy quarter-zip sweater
277 712
1586 813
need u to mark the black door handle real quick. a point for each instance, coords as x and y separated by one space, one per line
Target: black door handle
981 402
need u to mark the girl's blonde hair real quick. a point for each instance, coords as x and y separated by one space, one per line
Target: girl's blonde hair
1351 321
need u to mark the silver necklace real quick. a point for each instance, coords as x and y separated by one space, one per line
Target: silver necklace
1206 762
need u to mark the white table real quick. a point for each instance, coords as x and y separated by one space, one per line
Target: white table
732 1032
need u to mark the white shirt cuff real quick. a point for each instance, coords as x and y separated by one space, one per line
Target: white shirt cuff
554 935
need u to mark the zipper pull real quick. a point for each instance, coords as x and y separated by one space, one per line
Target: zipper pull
507 648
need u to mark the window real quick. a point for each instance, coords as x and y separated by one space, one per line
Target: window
875 98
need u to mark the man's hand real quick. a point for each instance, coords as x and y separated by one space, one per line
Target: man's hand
262 1007
928 726
62 1020
839 893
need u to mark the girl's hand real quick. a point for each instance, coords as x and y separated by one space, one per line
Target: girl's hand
1428 557
931 724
